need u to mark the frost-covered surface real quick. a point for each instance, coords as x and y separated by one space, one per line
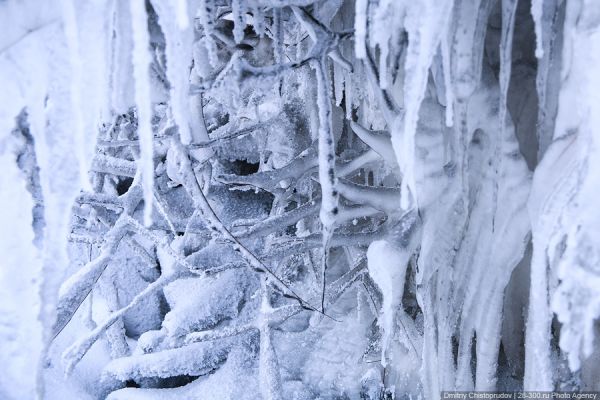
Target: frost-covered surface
298 199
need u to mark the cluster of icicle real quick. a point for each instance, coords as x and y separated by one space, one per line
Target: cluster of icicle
400 198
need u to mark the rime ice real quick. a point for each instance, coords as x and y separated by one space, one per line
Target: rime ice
298 199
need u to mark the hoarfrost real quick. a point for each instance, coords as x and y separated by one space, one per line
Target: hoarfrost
301 199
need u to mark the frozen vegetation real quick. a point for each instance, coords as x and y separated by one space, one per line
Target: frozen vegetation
298 199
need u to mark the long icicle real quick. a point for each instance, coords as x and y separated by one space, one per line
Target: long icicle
141 64
509 9
425 26
537 11
445 52
72 36
327 175
177 51
205 15
360 28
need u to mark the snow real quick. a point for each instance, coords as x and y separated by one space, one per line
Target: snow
231 381
188 360
216 300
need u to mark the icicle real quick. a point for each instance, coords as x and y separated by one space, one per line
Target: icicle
327 174
141 64
88 75
338 84
181 13
378 141
464 375
379 197
276 29
537 341
548 69
437 89
445 52
239 20
178 53
467 37
205 14
564 212
348 97
121 77
258 20
383 66
387 267
537 11
72 35
509 8
424 23
488 343
360 29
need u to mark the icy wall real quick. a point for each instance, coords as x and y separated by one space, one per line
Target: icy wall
298 199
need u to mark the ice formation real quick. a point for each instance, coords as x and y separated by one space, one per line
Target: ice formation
298 199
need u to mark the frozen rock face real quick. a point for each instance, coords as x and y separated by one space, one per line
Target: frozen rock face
298 199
